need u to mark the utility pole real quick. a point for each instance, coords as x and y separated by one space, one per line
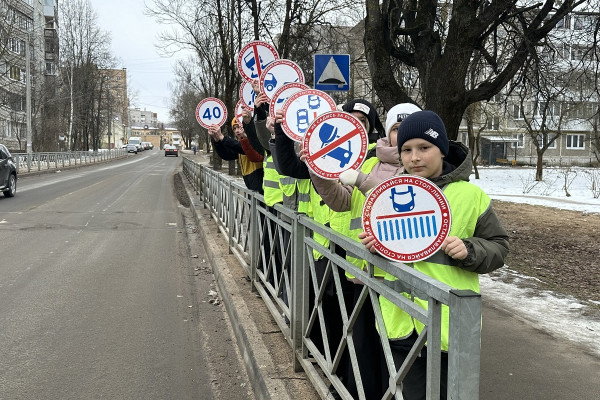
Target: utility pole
28 91
109 113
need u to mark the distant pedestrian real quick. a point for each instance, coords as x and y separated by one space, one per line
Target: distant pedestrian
194 149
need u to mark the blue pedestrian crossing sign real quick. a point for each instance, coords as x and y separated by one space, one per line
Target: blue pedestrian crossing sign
332 72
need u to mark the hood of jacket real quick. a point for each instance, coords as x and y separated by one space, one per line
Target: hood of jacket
457 165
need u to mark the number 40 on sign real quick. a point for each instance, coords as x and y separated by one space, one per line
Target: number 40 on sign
211 111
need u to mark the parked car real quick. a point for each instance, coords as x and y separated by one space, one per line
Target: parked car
132 148
8 173
171 150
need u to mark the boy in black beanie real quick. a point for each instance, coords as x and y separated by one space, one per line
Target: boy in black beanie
477 243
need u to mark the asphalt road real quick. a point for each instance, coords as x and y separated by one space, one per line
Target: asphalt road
101 294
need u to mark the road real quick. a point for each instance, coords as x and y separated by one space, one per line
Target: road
101 294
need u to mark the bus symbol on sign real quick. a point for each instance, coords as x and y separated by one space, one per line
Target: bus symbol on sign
408 216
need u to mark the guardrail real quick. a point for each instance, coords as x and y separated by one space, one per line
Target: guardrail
54 160
275 246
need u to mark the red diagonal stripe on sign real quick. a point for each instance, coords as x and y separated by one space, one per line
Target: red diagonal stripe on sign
405 214
257 59
334 144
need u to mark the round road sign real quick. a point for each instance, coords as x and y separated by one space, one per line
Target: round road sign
409 217
301 109
277 74
254 57
247 95
335 141
239 108
211 111
284 93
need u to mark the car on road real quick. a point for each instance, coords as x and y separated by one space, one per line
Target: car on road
8 173
147 145
171 150
132 148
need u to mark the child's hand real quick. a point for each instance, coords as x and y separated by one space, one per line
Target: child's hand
455 248
279 116
246 116
260 99
270 124
301 152
215 132
368 241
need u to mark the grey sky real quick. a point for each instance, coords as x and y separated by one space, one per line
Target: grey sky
133 38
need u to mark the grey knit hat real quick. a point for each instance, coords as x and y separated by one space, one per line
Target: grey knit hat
424 125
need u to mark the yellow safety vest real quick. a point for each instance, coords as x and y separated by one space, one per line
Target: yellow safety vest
271 186
467 203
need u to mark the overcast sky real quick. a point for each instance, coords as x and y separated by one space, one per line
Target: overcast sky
133 38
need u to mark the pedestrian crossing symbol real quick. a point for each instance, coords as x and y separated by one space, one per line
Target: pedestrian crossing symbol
332 72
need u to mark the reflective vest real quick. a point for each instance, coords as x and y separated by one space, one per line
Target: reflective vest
467 203
303 189
355 218
271 188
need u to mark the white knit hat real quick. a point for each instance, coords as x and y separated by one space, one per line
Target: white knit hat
397 114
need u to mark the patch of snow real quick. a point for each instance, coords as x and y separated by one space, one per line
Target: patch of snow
560 316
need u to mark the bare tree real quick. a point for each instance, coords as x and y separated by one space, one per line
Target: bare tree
85 51
437 42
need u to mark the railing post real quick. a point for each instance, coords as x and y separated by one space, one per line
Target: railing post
231 214
254 241
299 286
465 345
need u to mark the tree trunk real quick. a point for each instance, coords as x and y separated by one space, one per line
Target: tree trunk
539 168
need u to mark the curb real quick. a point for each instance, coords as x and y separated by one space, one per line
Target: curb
268 379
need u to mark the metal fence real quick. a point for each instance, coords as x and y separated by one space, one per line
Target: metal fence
33 162
275 246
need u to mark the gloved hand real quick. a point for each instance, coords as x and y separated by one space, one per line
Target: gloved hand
349 177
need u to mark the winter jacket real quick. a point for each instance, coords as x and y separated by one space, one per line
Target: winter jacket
473 221
251 166
338 196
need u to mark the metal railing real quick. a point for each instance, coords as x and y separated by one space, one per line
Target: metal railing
54 160
275 246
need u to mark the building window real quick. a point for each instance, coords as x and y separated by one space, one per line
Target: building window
15 73
519 140
576 142
16 46
493 123
50 68
550 136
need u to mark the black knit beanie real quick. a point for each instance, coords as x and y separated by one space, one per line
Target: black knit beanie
424 125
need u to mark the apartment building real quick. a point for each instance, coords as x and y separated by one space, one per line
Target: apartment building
116 106
28 34
143 118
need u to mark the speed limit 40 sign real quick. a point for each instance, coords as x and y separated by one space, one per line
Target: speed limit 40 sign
211 111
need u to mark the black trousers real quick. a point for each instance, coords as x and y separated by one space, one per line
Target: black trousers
414 384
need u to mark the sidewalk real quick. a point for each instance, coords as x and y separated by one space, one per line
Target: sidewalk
518 361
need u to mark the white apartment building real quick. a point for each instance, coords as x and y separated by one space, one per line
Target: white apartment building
24 21
145 118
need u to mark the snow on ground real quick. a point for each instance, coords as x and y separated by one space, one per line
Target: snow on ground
561 316
518 185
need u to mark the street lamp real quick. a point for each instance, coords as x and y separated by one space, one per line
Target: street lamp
28 85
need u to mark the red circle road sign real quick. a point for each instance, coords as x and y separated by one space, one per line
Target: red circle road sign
277 74
335 141
211 111
284 93
247 95
409 217
301 109
254 57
